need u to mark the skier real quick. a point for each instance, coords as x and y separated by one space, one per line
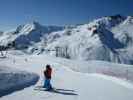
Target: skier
47 75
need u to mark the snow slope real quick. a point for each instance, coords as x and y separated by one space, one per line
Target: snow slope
85 86
12 79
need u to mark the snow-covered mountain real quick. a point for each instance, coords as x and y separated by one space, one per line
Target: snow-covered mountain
108 38
28 34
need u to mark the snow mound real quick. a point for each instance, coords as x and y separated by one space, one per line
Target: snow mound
13 79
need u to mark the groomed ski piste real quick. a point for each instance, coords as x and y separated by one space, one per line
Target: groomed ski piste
70 84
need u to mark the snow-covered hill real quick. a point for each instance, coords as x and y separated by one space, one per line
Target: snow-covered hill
108 38
70 84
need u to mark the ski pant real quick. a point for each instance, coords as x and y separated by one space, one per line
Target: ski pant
47 84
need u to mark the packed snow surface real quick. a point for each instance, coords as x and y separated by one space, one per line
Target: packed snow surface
76 85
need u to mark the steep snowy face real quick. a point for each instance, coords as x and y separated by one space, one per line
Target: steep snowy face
28 34
103 23
109 21
33 33
101 39
124 31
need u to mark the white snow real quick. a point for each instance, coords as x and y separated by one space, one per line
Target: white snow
86 86
27 34
12 79
86 75
108 38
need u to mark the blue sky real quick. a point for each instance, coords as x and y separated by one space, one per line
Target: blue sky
59 12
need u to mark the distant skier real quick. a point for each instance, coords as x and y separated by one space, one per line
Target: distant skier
47 74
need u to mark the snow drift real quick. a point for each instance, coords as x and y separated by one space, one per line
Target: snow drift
13 79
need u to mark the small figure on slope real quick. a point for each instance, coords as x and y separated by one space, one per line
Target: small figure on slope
47 75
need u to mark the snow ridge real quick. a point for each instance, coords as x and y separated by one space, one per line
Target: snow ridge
108 38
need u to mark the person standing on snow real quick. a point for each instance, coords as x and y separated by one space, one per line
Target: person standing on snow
47 75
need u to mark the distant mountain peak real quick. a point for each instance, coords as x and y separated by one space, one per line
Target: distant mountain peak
108 38
117 16
109 21
129 20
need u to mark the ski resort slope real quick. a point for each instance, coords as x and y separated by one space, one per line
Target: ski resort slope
71 85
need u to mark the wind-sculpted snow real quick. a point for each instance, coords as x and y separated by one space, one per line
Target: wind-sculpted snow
13 79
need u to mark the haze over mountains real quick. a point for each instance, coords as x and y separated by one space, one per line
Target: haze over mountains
108 38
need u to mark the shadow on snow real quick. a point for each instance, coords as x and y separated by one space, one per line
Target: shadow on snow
58 91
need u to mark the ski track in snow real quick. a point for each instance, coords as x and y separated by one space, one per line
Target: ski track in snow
86 86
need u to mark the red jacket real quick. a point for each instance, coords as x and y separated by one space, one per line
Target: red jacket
47 73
